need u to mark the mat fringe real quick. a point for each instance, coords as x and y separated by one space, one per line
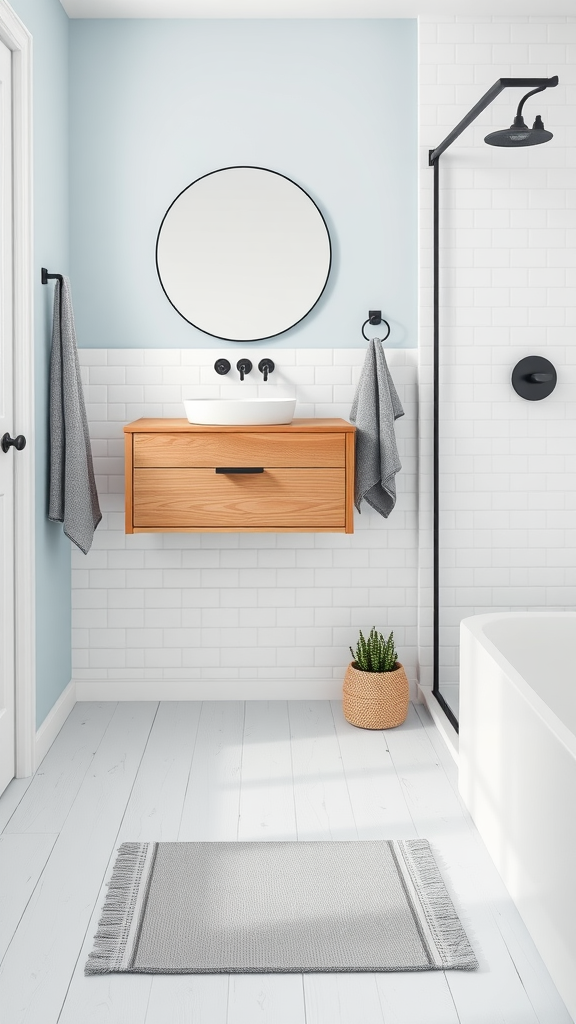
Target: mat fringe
449 935
111 939
118 927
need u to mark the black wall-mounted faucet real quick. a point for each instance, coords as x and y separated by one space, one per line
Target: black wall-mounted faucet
222 366
244 366
266 366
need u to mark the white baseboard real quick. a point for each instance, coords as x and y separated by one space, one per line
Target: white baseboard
441 721
208 689
53 722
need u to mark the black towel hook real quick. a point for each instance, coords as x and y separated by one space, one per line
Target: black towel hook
45 276
375 318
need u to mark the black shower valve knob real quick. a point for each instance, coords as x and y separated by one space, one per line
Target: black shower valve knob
534 378
243 366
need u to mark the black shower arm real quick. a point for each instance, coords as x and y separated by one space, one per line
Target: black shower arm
527 97
485 101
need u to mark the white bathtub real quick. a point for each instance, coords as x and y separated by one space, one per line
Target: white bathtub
517 768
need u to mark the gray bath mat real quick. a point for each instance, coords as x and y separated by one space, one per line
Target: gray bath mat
211 908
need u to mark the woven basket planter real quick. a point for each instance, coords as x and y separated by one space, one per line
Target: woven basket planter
375 700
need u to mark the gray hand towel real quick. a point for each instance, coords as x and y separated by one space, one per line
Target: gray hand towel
73 494
376 405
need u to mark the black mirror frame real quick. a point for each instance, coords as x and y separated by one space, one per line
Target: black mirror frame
246 341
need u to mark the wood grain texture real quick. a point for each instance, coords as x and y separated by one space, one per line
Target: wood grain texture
209 811
22 860
281 498
128 482
53 789
324 811
166 491
183 999
152 814
211 807
335 999
267 812
239 529
350 478
163 424
266 999
267 789
10 799
321 797
381 812
192 450
36 971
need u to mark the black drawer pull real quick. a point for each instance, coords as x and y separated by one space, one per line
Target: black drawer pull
239 469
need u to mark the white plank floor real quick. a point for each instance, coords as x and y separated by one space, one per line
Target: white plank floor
254 771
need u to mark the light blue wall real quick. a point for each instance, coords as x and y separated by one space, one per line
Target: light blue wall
156 104
48 24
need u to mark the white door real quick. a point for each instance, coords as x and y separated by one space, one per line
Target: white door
6 427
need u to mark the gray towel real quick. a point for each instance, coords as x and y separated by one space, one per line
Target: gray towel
376 405
73 494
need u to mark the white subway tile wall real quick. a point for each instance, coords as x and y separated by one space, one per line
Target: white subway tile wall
245 607
507 290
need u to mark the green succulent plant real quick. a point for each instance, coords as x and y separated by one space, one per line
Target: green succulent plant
375 654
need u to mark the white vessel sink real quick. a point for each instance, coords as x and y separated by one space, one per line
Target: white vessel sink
240 411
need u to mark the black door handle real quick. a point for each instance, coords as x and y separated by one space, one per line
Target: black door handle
239 469
13 442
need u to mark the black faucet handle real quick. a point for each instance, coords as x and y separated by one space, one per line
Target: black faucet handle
266 366
244 366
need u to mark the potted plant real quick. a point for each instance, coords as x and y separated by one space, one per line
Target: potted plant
375 685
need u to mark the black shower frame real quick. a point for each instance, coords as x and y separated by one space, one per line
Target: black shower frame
433 161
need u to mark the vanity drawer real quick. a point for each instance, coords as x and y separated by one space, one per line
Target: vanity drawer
167 450
278 498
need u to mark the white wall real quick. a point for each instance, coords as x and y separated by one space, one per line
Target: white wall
225 614
508 259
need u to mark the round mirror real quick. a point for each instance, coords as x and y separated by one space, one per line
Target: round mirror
243 253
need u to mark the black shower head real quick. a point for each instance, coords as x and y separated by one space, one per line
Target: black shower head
519 134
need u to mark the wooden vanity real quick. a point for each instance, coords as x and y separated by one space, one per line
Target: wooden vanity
182 477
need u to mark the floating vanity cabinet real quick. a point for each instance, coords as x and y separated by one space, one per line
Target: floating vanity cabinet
182 477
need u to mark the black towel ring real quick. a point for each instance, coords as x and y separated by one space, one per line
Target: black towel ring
375 318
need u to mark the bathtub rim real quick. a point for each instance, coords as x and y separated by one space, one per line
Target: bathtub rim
475 624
